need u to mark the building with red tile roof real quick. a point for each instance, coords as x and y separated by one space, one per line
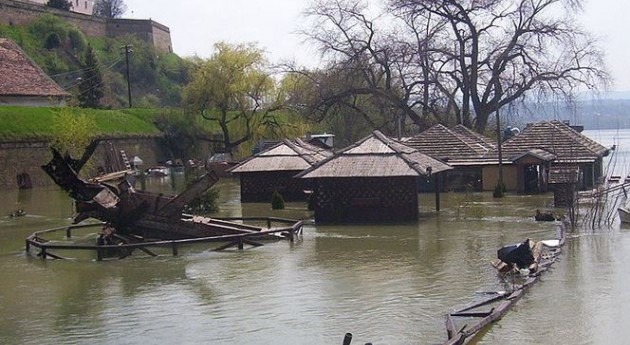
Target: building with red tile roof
23 82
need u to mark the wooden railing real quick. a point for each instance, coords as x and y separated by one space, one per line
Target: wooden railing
37 239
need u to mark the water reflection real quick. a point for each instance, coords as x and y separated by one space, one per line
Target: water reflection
387 284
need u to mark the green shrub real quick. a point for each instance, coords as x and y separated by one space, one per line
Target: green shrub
78 42
52 41
277 201
47 24
499 190
206 203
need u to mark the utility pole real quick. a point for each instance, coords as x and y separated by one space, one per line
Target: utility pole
128 51
500 183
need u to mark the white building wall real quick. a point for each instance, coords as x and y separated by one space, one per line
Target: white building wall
79 6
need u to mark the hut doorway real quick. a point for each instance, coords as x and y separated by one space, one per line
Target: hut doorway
531 181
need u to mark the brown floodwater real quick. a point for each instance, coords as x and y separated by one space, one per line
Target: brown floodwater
386 284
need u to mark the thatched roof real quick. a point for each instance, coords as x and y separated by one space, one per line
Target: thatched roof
556 138
376 156
457 146
287 155
21 76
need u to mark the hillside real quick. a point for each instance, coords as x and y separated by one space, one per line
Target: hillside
59 49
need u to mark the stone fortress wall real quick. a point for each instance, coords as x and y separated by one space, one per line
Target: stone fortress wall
13 12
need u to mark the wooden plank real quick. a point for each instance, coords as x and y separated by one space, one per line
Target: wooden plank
473 314
450 327
499 296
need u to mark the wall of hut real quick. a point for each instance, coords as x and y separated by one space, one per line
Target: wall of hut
491 176
366 199
259 186
466 178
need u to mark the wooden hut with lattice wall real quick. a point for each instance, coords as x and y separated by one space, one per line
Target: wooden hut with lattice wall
274 169
373 180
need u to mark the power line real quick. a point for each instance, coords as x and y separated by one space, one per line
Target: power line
79 81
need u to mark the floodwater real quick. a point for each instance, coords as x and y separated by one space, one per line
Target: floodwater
386 284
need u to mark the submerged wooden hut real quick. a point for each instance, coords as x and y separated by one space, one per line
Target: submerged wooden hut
274 168
461 148
530 159
373 180
548 148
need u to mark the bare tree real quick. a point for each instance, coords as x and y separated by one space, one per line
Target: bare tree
458 60
109 8
367 71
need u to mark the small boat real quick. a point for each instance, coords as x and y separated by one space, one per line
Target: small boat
624 213
158 171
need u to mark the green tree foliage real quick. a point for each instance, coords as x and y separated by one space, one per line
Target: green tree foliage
72 131
181 131
60 4
206 203
48 24
277 201
234 90
91 85
109 8
52 41
77 40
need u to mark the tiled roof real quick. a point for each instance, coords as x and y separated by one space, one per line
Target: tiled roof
20 76
458 144
287 155
472 135
540 154
558 139
376 156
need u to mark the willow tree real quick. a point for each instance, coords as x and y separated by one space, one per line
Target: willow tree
233 89
460 60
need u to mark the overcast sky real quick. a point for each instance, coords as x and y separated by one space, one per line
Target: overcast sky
197 24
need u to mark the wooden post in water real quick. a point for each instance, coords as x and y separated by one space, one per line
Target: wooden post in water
347 339
437 191
291 234
240 243
174 245
68 232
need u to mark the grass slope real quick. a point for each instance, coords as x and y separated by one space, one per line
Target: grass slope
33 123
